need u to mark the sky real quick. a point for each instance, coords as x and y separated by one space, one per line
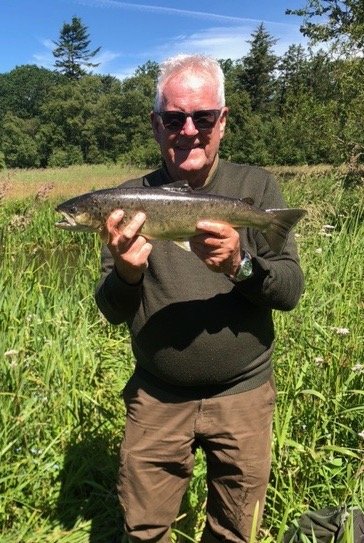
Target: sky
131 33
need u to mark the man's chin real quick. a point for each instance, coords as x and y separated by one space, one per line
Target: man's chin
192 160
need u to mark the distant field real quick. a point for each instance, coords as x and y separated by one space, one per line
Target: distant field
18 184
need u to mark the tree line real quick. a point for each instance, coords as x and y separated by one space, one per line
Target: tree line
304 107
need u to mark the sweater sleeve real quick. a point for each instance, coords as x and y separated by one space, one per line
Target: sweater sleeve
277 281
117 300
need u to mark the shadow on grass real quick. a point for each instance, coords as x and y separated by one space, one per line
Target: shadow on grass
88 492
88 488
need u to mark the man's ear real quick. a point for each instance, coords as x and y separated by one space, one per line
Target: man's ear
222 121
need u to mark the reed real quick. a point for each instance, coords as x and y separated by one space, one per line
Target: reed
62 368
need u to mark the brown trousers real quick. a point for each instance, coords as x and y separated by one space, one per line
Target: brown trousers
157 458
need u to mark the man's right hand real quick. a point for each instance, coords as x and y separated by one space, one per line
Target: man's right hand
129 249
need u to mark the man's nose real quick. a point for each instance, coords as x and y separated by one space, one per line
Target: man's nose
189 129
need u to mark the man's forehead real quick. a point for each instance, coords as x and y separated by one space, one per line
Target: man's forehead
193 77
188 83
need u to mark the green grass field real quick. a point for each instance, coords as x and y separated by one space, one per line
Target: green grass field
62 367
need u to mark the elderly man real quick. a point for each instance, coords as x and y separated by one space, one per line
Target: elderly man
200 323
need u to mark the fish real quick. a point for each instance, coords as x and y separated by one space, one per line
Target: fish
172 213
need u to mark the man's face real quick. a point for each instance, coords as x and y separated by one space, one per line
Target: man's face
189 152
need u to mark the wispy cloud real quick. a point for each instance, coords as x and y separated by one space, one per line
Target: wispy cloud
45 57
217 17
223 42
224 37
218 42
104 58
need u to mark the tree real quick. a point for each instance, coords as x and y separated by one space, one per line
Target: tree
134 109
258 68
342 26
18 142
292 76
23 90
343 21
72 52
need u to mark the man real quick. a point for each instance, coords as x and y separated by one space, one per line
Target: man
200 324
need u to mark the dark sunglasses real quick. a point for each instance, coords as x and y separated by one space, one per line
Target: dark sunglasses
204 119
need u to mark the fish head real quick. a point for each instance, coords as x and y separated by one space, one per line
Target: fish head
80 214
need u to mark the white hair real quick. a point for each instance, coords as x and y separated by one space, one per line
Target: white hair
198 64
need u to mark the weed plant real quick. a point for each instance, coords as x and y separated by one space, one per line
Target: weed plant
62 368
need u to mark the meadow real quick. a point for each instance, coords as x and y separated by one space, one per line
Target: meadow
62 366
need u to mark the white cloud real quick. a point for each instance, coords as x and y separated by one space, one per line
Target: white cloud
104 58
219 42
45 57
227 42
227 38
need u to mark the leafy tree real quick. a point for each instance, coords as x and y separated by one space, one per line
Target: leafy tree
292 70
23 90
257 70
243 141
61 158
150 69
227 66
72 52
305 133
135 107
68 113
342 26
343 20
18 142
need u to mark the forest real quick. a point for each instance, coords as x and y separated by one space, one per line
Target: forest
303 107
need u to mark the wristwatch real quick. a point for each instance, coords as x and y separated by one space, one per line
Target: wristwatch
245 269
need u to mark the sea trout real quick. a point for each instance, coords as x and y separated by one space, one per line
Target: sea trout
173 212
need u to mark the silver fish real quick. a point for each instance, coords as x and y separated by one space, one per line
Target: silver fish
173 212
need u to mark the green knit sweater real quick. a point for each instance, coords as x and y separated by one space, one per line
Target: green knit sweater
193 331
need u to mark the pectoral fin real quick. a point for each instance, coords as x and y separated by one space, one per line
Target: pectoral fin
185 245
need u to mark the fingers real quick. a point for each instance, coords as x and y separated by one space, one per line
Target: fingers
133 227
218 229
217 236
114 220
119 234
128 247
217 245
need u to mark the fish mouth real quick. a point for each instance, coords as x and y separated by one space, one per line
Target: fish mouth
67 222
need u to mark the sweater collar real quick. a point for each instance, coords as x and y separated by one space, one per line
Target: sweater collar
167 179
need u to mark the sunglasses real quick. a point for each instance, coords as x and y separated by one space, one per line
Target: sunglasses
204 119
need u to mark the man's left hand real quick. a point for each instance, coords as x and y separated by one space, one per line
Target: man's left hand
218 246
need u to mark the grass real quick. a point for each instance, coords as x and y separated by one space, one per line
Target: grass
59 182
62 368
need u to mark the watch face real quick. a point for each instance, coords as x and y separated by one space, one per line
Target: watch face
245 269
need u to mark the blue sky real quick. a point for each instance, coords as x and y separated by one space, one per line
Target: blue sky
130 33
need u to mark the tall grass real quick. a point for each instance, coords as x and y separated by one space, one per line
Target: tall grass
62 368
319 360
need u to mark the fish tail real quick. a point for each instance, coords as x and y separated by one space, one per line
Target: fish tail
283 221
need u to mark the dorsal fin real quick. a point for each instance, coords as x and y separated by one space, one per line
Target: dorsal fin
179 186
